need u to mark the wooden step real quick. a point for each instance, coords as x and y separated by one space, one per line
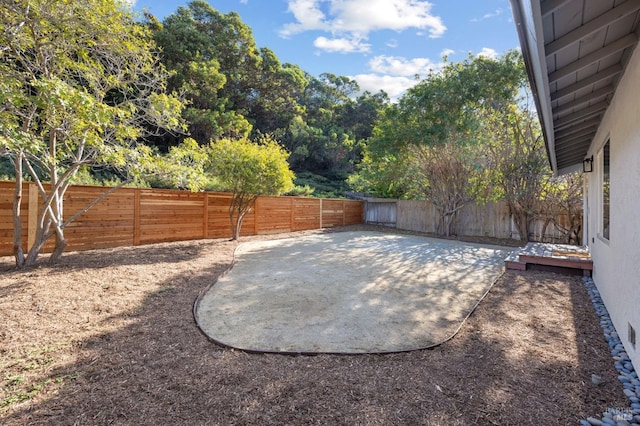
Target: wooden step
560 256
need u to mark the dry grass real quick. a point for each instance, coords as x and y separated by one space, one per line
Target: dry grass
107 337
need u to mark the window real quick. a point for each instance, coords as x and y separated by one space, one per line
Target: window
606 191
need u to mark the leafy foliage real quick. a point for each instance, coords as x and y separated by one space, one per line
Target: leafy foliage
80 87
249 170
447 176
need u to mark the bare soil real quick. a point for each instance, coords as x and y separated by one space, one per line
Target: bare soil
108 337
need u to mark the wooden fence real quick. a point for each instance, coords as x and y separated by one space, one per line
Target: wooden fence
142 216
491 219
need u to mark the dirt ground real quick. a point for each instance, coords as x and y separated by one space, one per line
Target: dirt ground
108 337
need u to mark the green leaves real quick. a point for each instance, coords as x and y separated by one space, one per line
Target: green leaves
80 88
250 168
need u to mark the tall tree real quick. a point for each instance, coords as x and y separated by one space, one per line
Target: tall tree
517 166
79 87
447 177
233 87
448 102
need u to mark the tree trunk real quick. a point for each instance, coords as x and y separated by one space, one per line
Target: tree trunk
522 223
61 243
18 251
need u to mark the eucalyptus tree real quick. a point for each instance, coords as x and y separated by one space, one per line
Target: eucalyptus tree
80 87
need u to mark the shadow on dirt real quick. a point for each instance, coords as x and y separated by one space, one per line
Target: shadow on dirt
524 357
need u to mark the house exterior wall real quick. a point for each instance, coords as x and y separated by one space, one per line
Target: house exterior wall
617 260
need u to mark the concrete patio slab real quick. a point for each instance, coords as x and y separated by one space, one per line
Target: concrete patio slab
350 292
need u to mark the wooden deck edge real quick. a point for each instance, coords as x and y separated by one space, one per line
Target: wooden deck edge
562 263
514 265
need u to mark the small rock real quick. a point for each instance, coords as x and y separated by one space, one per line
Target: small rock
596 380
593 421
629 392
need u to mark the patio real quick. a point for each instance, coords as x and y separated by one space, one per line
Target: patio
349 292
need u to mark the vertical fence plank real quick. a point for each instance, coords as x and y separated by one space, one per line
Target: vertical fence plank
205 215
292 217
136 217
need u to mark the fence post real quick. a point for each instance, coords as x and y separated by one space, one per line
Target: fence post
136 217
320 213
205 216
32 214
255 216
292 218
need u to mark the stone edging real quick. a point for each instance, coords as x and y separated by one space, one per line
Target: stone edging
627 375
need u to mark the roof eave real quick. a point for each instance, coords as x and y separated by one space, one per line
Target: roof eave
528 19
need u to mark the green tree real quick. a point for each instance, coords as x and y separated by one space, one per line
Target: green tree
233 87
517 167
79 87
248 170
448 102
447 177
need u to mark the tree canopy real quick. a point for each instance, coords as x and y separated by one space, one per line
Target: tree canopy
248 170
80 86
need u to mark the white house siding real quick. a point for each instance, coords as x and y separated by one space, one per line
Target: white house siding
617 261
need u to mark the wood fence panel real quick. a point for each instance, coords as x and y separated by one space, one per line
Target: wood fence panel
7 192
110 223
382 212
353 212
491 219
142 216
332 213
218 216
306 214
274 215
419 216
168 215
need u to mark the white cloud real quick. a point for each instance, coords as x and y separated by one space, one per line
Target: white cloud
488 53
393 43
398 66
308 16
447 52
490 15
341 45
355 19
394 86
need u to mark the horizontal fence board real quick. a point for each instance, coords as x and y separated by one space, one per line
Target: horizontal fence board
169 215
474 219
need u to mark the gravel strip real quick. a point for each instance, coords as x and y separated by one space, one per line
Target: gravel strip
628 376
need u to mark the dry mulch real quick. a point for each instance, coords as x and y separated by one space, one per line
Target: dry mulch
107 337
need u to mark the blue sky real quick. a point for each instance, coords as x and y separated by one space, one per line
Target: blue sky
382 44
